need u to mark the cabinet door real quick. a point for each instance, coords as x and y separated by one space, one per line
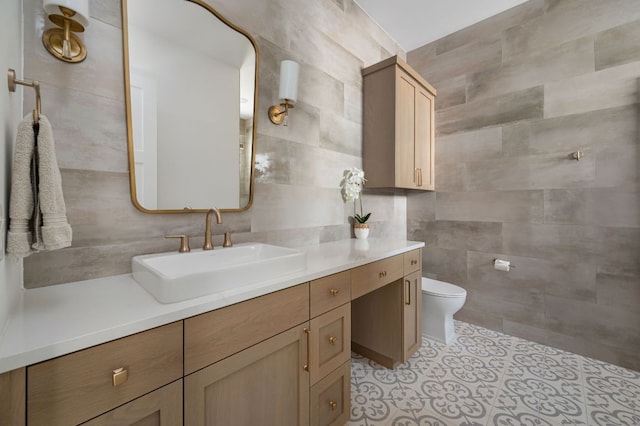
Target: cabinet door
414 134
162 407
412 318
405 167
265 385
424 138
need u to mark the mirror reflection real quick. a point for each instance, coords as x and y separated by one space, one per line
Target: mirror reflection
191 83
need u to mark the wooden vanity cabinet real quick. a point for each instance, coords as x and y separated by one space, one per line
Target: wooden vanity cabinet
278 359
398 127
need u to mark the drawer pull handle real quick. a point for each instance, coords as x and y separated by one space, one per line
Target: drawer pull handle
332 340
408 302
382 274
119 376
334 291
306 330
414 262
333 405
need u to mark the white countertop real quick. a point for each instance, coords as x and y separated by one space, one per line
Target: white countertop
52 321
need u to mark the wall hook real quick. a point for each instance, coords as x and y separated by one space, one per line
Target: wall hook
577 155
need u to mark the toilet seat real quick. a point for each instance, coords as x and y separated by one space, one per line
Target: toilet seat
441 289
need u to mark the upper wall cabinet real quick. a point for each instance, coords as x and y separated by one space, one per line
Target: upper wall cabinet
398 149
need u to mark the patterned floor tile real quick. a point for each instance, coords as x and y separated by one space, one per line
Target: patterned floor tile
488 378
612 394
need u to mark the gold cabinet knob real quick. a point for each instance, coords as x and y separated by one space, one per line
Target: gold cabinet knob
334 291
332 340
120 376
382 274
414 262
333 405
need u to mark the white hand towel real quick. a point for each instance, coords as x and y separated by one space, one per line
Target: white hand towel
21 201
55 232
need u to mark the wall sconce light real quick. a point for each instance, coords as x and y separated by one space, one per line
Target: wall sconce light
72 16
288 92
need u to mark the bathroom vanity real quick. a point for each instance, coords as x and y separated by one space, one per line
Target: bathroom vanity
105 352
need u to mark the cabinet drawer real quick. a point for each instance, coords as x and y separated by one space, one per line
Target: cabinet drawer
412 261
330 341
162 407
330 398
79 386
330 292
367 278
210 337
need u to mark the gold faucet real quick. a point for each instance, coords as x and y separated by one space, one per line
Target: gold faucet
208 245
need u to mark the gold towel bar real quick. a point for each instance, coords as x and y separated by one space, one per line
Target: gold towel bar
12 81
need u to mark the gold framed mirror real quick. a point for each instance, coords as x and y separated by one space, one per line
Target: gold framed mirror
191 90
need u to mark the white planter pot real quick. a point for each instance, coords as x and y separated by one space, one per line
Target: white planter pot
361 230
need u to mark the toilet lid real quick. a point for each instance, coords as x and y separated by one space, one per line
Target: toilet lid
441 288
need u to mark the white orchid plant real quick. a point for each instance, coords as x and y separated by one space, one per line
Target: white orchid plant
352 186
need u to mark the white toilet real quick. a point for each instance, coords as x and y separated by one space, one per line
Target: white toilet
440 300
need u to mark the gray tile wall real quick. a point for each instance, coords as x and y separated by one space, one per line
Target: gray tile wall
518 93
297 201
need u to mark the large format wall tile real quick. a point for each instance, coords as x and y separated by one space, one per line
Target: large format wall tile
528 312
566 243
90 131
594 130
508 108
469 146
470 57
619 286
295 206
451 92
569 20
496 206
451 177
445 264
609 88
566 60
532 172
608 324
618 45
488 27
594 206
575 280
466 235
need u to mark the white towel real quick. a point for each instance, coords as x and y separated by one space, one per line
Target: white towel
26 232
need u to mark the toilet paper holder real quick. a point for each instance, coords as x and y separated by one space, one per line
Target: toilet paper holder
506 263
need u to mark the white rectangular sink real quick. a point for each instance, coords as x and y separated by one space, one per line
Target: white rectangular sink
172 277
